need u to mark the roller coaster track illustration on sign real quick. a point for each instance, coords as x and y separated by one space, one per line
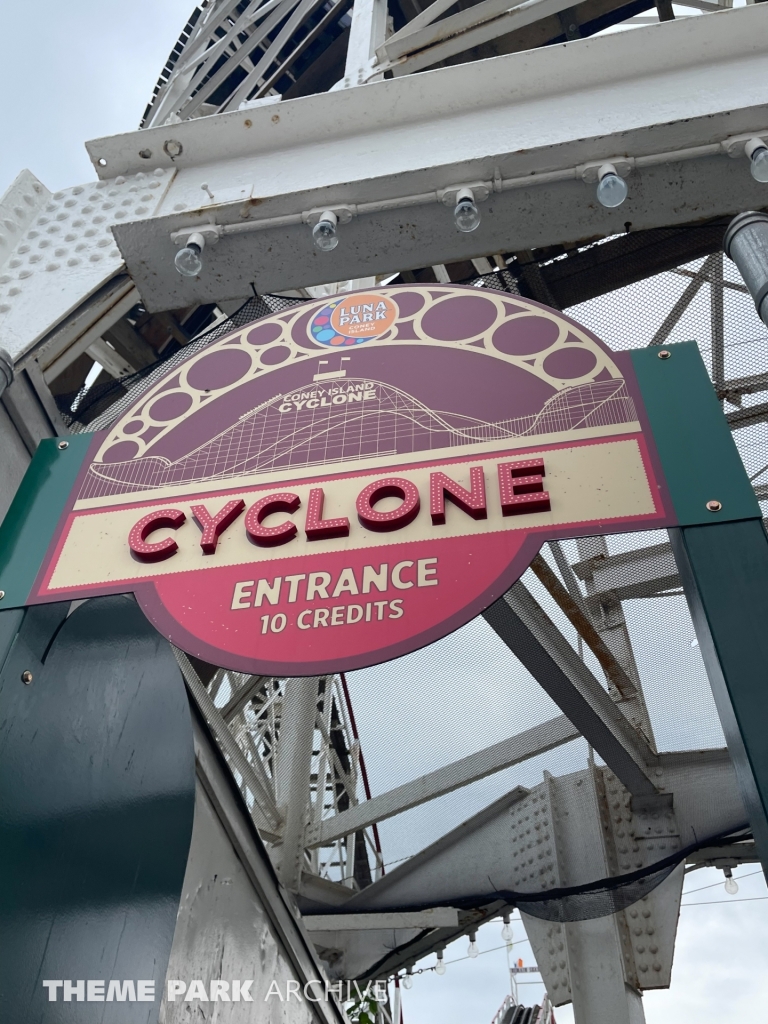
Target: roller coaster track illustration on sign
342 418
284 433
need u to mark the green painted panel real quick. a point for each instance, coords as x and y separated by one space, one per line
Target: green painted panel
695 444
97 798
724 571
34 514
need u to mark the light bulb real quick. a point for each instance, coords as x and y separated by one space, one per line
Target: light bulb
758 164
440 965
188 260
407 980
506 932
611 189
466 214
324 232
472 951
731 885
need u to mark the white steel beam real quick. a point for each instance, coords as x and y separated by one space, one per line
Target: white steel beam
612 627
110 360
366 34
116 302
425 46
277 12
293 764
642 572
426 17
726 855
538 644
61 273
262 807
595 957
238 701
223 928
524 124
496 758
439 917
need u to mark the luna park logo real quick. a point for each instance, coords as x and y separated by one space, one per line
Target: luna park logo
346 321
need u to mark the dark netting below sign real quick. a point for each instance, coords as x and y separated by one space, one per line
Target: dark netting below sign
583 902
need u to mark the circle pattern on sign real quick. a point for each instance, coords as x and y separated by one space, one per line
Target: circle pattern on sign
541 341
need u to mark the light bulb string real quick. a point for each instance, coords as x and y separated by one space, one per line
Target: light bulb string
496 184
481 952
713 885
520 942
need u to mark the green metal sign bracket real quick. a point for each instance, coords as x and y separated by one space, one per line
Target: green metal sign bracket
721 553
700 459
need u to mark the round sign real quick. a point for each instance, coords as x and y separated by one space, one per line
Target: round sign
351 320
281 508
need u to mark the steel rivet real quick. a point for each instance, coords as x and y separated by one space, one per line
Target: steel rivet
63 445
664 354
714 506
26 677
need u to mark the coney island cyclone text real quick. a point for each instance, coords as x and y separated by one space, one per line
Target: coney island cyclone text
322 397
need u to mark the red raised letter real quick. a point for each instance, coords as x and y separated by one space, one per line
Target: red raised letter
472 502
316 527
258 512
157 551
390 487
214 526
521 487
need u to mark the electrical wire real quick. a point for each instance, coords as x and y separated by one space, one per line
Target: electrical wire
494 949
706 903
712 903
736 878
482 952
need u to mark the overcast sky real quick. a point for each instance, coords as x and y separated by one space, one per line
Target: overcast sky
77 70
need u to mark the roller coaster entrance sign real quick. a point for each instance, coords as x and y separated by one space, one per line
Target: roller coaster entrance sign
339 484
